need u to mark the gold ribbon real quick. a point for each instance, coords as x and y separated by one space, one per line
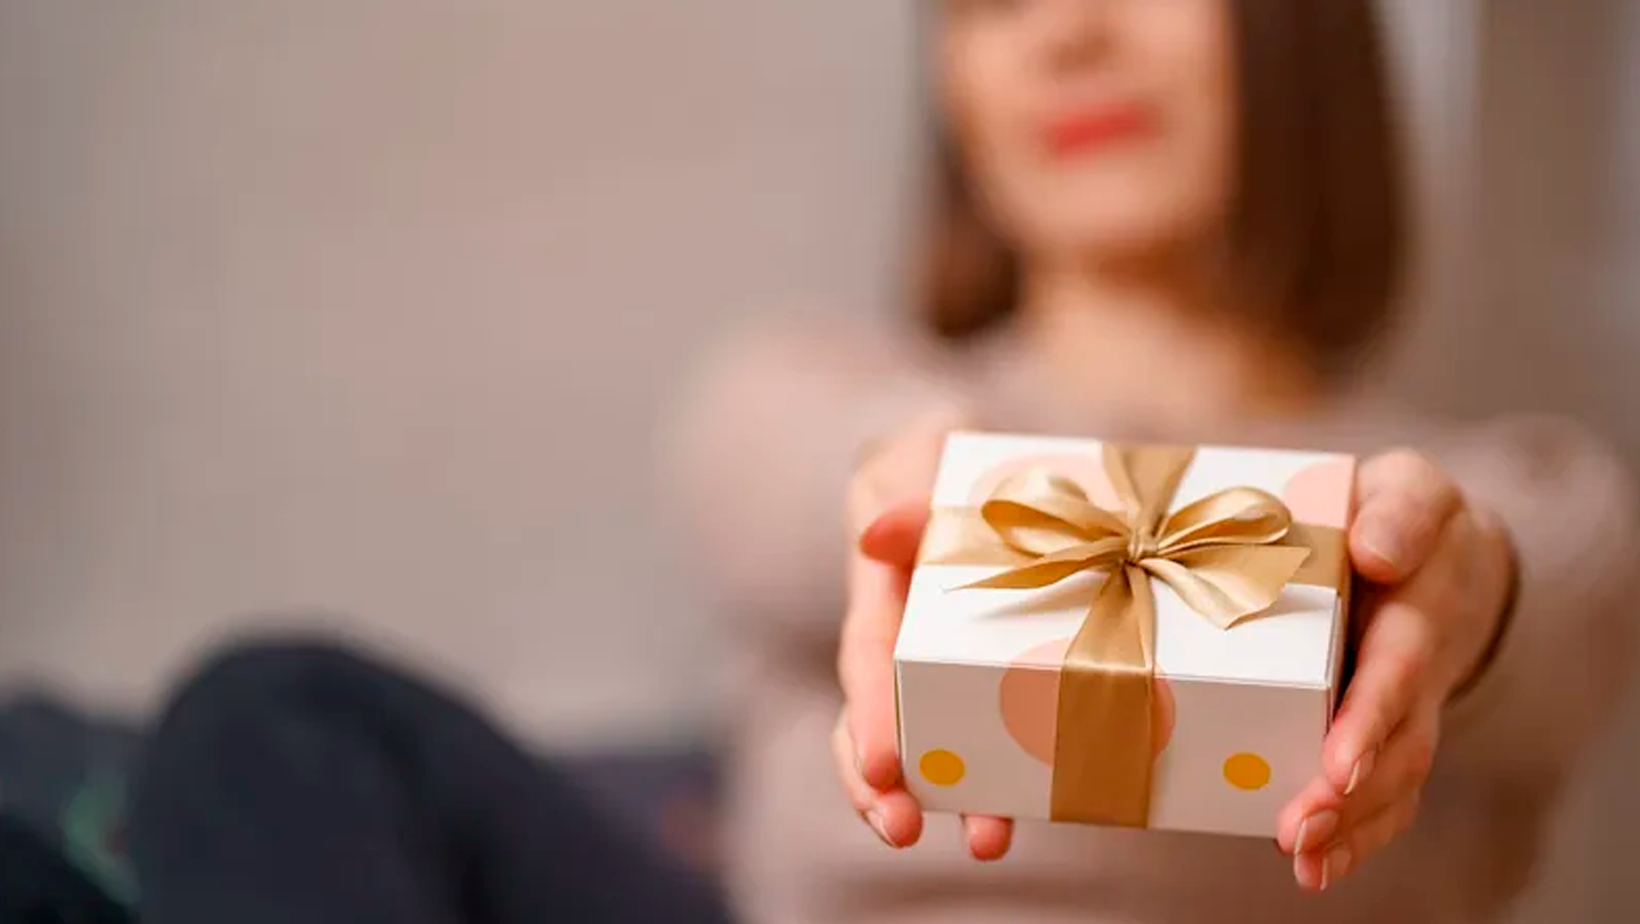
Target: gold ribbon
1228 556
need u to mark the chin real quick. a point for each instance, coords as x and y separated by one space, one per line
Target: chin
1115 215
1120 237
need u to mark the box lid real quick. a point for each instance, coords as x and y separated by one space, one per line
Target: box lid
1295 643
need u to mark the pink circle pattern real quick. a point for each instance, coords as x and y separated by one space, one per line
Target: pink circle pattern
1028 697
1323 494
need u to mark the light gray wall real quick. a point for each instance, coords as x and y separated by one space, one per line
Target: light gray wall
372 304
1548 265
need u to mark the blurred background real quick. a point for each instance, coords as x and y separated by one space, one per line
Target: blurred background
372 308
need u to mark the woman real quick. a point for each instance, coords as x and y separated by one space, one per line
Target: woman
1175 221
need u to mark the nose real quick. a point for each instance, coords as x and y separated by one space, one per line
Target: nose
1077 33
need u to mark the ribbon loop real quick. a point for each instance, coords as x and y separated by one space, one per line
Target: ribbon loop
1048 570
1238 516
1041 512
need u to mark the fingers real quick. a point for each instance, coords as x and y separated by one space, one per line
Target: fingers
988 838
865 665
1404 503
865 668
888 510
1401 772
1407 535
1323 813
1330 835
1320 870
895 815
879 575
894 536
1393 676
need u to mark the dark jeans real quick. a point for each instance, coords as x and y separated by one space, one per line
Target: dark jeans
300 784
38 884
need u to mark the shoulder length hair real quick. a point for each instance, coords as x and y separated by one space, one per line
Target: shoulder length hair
1317 225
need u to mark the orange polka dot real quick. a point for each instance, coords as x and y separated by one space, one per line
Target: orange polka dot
1247 771
942 768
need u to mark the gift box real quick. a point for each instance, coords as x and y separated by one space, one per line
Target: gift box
1124 635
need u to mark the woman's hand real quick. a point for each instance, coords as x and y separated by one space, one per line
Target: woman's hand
888 510
1442 570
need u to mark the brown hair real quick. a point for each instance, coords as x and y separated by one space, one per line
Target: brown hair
1317 227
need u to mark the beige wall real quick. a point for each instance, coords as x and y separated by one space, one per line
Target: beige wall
372 304
1549 268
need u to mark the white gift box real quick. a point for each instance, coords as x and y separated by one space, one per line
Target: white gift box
1239 714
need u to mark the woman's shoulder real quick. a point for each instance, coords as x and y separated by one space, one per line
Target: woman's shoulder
1516 457
757 456
807 362
813 342
1542 441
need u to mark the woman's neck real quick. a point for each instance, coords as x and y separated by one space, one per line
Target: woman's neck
1156 343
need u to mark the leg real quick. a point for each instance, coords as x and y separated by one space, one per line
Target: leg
301 783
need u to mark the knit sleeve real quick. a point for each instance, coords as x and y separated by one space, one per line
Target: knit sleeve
1569 645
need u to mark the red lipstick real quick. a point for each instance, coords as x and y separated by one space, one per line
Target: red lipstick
1090 129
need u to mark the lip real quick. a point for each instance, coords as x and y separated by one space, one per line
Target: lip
1095 128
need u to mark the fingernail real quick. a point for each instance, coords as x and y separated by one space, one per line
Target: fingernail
1314 830
876 822
1385 547
1335 866
1361 770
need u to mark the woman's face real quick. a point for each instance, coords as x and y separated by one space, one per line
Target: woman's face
1093 129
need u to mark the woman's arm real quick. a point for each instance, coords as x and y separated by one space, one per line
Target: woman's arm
1495 644
758 459
1568 646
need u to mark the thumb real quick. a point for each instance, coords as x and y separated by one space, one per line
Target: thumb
894 537
1405 504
